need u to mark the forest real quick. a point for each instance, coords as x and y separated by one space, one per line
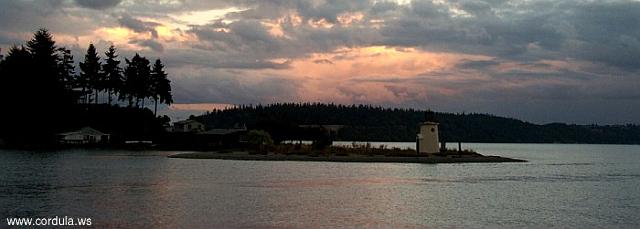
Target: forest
370 123
43 94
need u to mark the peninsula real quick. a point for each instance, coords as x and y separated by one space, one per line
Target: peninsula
426 159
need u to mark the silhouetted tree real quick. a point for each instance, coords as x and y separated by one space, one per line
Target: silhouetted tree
259 139
144 80
127 91
66 69
112 72
137 75
160 86
90 74
45 58
31 83
131 80
46 83
15 77
1 64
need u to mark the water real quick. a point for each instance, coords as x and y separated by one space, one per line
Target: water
576 186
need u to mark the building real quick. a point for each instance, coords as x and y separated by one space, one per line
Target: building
332 129
188 125
86 135
427 139
221 138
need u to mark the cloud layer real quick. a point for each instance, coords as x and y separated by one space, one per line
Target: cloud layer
543 61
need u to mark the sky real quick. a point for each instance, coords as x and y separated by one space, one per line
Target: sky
572 61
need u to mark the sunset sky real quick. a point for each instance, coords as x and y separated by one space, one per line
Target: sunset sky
541 61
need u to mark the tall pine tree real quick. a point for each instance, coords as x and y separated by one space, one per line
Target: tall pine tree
144 80
160 86
90 74
46 83
113 81
66 69
127 91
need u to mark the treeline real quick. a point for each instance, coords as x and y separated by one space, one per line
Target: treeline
133 84
42 94
369 123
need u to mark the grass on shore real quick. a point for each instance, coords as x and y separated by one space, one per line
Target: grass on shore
353 149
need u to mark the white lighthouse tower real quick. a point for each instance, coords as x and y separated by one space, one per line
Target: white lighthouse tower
427 139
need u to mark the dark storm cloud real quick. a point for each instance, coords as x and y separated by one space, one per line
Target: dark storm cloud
605 32
478 64
138 25
382 7
222 86
203 58
248 36
98 4
151 44
18 16
329 10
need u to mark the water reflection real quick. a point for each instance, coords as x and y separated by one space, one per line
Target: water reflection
561 185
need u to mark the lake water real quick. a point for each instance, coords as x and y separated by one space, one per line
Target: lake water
576 186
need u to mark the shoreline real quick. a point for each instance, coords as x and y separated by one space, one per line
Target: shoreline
245 156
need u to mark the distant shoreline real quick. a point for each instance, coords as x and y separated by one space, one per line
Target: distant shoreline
242 155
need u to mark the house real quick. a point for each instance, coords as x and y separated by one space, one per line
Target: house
83 136
188 125
427 139
222 138
331 129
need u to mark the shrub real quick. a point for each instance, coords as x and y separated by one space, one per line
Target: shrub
259 139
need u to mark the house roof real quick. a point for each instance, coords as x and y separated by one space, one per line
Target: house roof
84 131
222 131
328 127
187 121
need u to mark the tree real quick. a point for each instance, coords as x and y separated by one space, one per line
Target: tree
160 86
90 74
66 69
112 72
15 77
46 83
31 83
137 80
127 91
144 80
44 53
259 139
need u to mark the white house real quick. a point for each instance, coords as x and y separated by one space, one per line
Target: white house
188 125
86 135
428 138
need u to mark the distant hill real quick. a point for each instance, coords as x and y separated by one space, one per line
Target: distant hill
368 123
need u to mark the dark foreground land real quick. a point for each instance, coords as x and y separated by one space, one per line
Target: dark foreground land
430 159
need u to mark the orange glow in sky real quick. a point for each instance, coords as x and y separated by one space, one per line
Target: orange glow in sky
345 72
